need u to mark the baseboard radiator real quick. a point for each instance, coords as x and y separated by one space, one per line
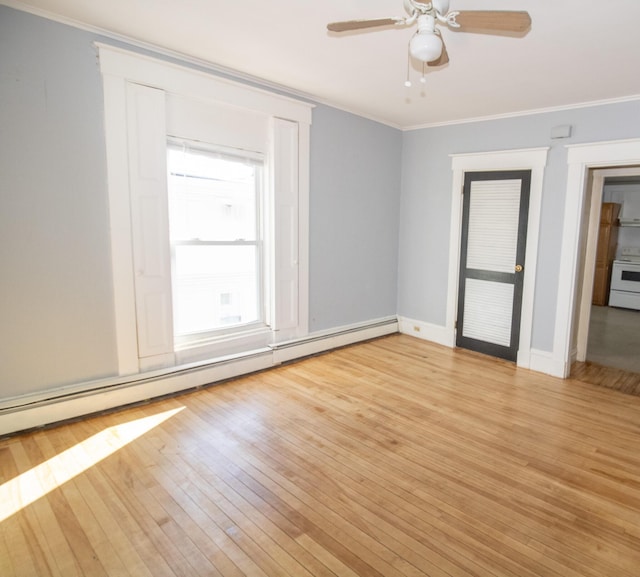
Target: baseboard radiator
45 408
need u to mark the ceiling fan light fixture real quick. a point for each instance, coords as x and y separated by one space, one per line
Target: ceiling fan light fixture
441 6
425 46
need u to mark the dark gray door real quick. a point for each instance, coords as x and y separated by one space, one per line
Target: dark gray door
494 236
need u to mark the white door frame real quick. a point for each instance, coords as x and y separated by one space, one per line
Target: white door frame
594 199
533 159
581 158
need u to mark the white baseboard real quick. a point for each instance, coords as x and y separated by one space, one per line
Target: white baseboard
30 414
327 340
545 362
40 409
428 332
540 361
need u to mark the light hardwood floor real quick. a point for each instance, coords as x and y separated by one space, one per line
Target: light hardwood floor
390 458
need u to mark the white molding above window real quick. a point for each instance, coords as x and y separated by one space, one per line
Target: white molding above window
121 68
185 81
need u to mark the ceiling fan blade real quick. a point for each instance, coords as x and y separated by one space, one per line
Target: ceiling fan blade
444 56
493 20
359 24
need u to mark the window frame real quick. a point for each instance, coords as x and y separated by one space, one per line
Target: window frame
288 138
198 338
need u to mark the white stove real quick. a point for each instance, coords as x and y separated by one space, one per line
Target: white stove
625 280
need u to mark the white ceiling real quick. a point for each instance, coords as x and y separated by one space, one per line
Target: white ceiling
577 51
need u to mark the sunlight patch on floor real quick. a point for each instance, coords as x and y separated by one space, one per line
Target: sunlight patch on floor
44 478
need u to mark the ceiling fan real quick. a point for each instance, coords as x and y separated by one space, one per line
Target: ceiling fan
426 44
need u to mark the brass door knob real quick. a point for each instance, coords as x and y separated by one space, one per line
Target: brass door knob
519 268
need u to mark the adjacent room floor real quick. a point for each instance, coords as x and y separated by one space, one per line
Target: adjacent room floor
614 338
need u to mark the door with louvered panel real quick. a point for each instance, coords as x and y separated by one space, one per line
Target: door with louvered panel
494 235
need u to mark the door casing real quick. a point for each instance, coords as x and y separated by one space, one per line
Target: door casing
581 158
591 221
533 159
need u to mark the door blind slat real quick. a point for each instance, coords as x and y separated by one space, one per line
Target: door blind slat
493 225
488 310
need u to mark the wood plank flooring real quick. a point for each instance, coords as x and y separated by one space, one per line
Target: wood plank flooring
610 377
390 458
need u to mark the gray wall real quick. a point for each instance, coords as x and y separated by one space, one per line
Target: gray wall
426 201
55 289
56 298
355 201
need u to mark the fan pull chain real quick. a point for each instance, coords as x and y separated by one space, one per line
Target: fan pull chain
408 80
423 78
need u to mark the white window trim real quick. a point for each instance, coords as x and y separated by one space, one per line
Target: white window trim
119 67
534 159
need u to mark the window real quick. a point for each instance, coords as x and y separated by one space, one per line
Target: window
261 232
215 231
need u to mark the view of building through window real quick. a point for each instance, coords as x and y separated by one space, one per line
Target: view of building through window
215 236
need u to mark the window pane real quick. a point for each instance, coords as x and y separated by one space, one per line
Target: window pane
211 197
214 287
215 239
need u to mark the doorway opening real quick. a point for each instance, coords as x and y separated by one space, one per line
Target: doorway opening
608 334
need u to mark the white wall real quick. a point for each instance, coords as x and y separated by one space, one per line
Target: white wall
628 195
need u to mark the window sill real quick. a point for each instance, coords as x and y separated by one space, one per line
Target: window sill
223 345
